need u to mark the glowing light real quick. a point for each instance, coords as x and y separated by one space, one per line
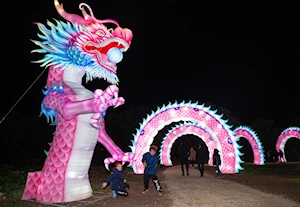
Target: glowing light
114 55
161 121
187 112
230 154
250 135
72 50
291 132
173 113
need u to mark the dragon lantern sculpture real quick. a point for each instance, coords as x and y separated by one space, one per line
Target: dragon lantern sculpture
82 46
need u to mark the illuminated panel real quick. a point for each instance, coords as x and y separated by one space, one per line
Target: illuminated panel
81 46
291 132
184 129
228 147
257 148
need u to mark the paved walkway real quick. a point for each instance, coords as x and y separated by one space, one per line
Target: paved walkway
207 191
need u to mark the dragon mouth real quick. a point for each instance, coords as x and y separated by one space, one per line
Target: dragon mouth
101 51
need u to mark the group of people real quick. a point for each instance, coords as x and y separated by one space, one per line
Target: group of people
119 185
190 156
275 156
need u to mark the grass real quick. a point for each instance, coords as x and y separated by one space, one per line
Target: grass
12 183
276 178
281 179
281 170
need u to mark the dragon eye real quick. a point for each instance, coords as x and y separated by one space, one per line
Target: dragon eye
100 33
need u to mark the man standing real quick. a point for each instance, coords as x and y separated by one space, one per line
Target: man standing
201 159
150 161
183 153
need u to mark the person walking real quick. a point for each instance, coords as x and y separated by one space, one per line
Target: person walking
201 159
150 161
192 157
217 162
183 153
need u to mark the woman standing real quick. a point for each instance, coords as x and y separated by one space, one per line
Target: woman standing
192 157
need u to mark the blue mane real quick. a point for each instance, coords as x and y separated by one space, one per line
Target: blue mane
50 113
56 44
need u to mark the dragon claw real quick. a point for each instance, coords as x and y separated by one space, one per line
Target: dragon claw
106 166
104 99
125 157
116 95
108 161
117 105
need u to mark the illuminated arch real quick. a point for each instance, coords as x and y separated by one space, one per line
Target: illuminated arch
226 142
184 129
291 132
257 148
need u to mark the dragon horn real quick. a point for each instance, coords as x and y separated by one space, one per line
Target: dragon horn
74 18
91 17
85 15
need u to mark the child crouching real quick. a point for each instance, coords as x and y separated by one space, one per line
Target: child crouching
118 184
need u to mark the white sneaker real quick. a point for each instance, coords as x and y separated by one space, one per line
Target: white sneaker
145 191
114 195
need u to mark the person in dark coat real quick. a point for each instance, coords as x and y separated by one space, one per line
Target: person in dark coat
217 162
201 159
184 153
118 184
280 156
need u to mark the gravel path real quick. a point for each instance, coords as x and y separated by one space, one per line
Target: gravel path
208 191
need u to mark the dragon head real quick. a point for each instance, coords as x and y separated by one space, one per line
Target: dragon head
84 43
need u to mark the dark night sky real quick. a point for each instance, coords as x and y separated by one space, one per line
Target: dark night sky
241 55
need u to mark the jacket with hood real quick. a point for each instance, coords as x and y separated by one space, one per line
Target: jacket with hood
201 156
183 152
216 158
115 180
152 161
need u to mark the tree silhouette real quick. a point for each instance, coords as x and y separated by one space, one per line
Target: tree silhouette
263 128
227 115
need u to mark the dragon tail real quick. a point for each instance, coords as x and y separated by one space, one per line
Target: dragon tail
32 185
